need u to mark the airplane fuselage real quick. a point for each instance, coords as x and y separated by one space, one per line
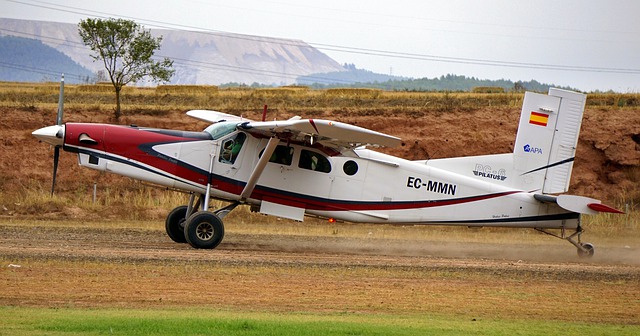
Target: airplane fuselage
358 185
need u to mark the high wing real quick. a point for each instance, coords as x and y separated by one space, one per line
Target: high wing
328 133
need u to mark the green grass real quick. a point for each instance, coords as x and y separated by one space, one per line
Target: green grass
203 321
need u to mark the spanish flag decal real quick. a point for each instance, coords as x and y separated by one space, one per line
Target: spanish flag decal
539 119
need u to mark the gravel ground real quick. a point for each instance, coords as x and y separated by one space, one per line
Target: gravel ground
134 268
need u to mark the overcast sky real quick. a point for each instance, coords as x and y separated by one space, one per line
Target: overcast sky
589 45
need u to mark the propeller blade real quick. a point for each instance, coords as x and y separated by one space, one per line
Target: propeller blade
60 102
56 157
56 149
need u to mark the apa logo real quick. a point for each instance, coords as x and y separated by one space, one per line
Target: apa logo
532 150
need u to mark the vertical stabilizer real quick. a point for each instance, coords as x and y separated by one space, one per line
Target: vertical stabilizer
547 138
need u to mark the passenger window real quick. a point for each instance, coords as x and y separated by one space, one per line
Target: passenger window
282 155
231 147
314 161
350 167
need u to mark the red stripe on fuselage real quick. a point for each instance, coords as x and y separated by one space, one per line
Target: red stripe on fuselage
129 142
323 204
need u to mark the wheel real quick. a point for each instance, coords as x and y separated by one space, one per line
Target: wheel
586 251
204 230
175 224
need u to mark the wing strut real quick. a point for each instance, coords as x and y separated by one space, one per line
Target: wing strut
259 168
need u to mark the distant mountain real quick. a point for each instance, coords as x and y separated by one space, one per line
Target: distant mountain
29 60
215 58
199 57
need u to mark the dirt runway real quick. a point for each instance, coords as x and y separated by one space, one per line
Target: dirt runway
96 267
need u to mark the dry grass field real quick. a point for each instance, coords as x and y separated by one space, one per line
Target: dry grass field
67 252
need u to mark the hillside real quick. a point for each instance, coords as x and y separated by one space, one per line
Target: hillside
199 57
29 60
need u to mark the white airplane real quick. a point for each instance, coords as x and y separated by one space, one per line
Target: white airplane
299 167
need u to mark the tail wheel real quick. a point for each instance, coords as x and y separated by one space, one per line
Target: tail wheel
204 230
174 225
586 251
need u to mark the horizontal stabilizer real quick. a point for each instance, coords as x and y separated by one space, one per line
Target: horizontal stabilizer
578 204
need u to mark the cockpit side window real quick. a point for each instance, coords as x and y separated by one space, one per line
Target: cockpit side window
220 129
314 161
231 148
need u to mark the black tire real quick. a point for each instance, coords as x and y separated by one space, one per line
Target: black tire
175 224
204 230
588 252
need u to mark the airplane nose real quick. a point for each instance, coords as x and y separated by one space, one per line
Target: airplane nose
53 135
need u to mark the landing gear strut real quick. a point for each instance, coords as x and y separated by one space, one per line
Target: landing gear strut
585 250
195 225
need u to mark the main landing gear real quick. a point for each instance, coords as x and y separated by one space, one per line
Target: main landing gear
585 250
195 225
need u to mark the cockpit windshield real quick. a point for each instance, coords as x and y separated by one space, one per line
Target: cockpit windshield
220 129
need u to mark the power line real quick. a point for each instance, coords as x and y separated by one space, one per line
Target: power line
344 49
475 61
460 22
504 28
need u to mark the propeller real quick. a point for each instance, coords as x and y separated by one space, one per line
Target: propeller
54 135
56 157
56 148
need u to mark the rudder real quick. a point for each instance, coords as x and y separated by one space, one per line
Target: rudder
547 138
